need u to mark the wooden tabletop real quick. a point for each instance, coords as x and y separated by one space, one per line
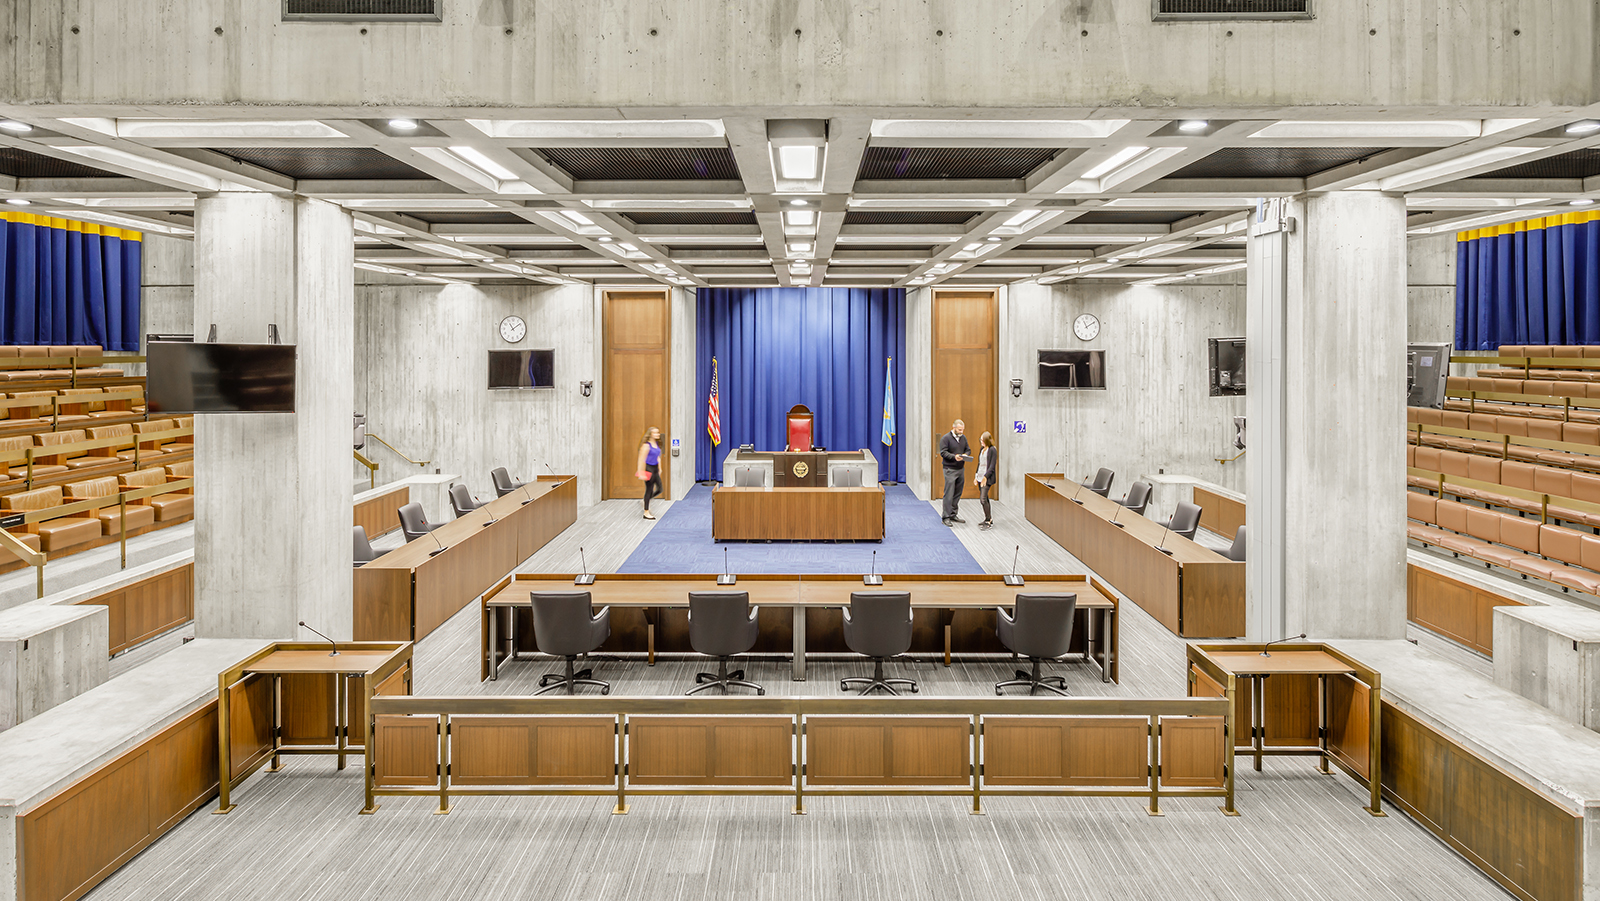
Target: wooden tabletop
789 590
319 662
1283 660
414 553
1148 531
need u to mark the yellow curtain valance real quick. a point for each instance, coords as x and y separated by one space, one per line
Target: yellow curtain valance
71 225
1510 228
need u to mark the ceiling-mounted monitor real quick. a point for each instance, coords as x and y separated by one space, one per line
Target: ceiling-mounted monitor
1072 369
184 377
1226 358
522 369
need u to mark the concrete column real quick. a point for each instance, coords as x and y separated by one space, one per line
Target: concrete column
1326 326
273 493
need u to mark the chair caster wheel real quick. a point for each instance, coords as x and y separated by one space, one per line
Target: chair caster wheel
606 690
914 689
997 691
844 686
761 691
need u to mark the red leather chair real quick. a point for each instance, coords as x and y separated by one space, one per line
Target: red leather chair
799 429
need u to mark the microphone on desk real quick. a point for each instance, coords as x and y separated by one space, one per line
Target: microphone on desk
492 520
335 651
726 578
1274 641
549 470
588 577
1162 547
1013 579
1078 492
1055 469
1120 508
434 553
526 495
873 578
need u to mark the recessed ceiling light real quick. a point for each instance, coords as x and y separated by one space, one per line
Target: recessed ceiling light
1114 260
1581 201
480 159
1193 125
798 161
797 202
19 201
403 124
1113 161
14 125
605 239
993 240
1583 128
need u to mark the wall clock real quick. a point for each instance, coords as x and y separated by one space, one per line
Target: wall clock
1086 327
513 329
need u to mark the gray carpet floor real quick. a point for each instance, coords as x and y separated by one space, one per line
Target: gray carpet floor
296 834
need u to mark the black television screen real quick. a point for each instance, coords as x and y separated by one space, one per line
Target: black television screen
1227 366
184 377
522 369
1072 369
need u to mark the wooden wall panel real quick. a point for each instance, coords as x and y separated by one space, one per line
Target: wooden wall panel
965 380
843 750
1192 751
82 835
1522 839
672 750
380 515
1222 515
149 607
1350 722
1087 751
1460 612
636 383
407 751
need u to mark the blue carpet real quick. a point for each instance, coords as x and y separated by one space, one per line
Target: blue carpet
914 542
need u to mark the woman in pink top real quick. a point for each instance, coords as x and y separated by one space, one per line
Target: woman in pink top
649 470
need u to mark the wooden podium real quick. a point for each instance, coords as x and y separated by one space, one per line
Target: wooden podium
799 469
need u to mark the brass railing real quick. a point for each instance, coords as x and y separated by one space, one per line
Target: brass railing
29 456
69 366
422 463
372 469
1505 441
436 715
37 559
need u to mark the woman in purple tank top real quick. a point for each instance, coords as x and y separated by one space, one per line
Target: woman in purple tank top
650 466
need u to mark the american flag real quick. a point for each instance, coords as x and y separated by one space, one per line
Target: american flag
713 413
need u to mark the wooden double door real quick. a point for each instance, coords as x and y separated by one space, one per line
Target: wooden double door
637 326
965 363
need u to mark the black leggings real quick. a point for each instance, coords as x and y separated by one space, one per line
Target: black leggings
983 498
652 487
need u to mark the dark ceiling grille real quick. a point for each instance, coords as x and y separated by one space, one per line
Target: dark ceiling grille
363 10
644 163
326 162
1273 162
908 217
1130 217
1211 10
693 217
19 163
1574 164
468 217
952 162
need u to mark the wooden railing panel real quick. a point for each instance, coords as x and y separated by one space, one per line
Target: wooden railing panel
309 708
1350 723
407 750
250 722
844 750
1192 752
149 607
1456 610
380 515
672 750
1098 751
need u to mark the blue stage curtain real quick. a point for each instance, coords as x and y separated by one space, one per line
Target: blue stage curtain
1531 282
826 348
66 282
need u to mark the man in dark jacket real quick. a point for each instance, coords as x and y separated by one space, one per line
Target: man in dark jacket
955 453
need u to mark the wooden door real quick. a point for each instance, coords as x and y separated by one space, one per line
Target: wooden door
637 387
965 339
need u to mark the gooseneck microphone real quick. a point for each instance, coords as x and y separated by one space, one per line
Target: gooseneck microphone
492 520
1076 493
526 495
873 578
549 470
727 578
434 553
1055 469
335 651
1274 641
588 577
1013 579
1120 507
1162 547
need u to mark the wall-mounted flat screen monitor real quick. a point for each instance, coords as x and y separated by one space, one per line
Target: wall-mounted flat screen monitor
1427 368
1227 366
183 377
522 369
1072 369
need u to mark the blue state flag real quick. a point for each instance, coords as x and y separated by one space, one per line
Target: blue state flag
888 405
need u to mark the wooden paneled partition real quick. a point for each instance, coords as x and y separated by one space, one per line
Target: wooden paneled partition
148 607
636 383
965 362
1460 612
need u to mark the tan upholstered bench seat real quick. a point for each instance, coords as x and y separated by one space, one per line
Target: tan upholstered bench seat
164 507
55 534
110 517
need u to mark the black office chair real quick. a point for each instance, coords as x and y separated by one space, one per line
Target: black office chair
414 523
363 548
1138 497
461 500
722 624
749 477
877 624
1041 630
1236 551
565 625
1185 520
1101 484
502 481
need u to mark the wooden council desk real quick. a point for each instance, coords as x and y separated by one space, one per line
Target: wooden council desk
1195 591
950 614
1305 699
406 594
797 514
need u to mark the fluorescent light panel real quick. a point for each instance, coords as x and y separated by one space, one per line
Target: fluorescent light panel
1374 129
476 157
1447 168
601 129
996 129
